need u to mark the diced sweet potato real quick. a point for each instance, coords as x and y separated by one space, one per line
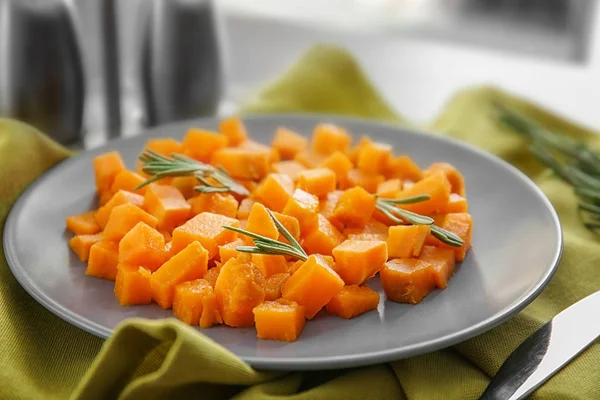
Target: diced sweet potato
389 189
365 180
269 264
234 129
327 206
200 144
165 146
143 246
216 203
228 250
123 218
456 204
323 238
167 204
313 285
244 208
132 285
355 151
128 181
371 227
189 264
288 143
104 198
274 285
353 301
309 158
357 260
339 163
355 207
83 224
291 168
274 191
443 262
103 260
186 185
304 207
318 181
290 223
461 224
81 244
457 181
403 167
405 241
407 280
261 223
212 274
194 303
239 288
279 320
374 158
119 198
242 163
328 138
206 228
106 168
436 186
271 153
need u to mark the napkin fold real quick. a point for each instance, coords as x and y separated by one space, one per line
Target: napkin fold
44 357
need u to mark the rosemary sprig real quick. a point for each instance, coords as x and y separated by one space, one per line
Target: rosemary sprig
159 166
265 245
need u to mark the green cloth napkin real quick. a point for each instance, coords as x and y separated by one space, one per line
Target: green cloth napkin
44 357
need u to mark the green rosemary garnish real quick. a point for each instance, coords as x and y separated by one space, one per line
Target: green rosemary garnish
159 166
265 245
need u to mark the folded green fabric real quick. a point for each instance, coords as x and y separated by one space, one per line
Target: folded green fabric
44 357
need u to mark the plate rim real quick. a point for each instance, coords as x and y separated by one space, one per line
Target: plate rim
313 363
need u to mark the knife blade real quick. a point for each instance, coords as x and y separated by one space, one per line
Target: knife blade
546 351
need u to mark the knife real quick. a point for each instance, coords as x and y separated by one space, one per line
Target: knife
546 351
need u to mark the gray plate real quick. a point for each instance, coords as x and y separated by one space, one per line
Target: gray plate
503 272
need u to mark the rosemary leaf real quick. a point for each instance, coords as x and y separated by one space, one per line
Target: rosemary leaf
286 234
408 200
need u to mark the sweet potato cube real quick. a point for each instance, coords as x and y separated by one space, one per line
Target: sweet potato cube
165 146
103 260
119 198
291 168
132 285
106 168
372 227
355 207
456 204
403 167
443 262
353 301
216 203
274 285
189 264
123 218
272 153
365 180
405 241
358 260
309 158
323 238
327 208
143 246
128 181
200 144
288 143
436 186
239 288
339 163
407 280
304 207
389 189
261 223
290 223
270 264
328 138
374 158
318 181
81 244
186 185
228 250
355 151
83 224
274 191
167 204
195 303
244 208
281 320
234 129
457 181
212 274
313 285
461 224
242 163
206 228
104 198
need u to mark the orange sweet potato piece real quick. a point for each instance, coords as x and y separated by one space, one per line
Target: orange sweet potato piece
274 284
81 244
244 208
318 181
456 204
274 191
309 158
261 223
132 285
194 303
228 250
242 163
436 186
217 203
123 218
234 129
389 189
272 153
206 228
104 198
128 180
405 241
313 285
358 260
166 235
403 167
119 198
186 185
443 262
461 224
189 264
355 151
103 260
374 158
372 227
365 180
167 204
200 144
457 181
165 146
355 207
106 168
212 274
269 264
83 224
304 207
239 288
328 138
353 301
143 246
339 163
290 223
288 143
327 206
279 320
323 238
291 168
407 280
